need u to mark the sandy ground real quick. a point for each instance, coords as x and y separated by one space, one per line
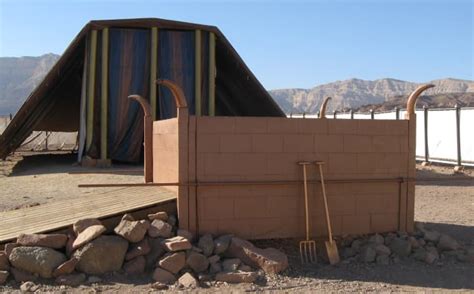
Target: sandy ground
444 201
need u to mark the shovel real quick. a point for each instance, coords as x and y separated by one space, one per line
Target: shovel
307 247
331 246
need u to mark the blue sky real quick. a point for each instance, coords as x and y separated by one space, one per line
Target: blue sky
286 44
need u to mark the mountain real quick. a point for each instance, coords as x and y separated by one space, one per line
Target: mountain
354 93
19 76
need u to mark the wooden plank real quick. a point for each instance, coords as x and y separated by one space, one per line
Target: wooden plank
58 215
212 74
91 90
153 70
197 71
104 93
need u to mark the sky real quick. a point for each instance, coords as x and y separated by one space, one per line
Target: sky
287 44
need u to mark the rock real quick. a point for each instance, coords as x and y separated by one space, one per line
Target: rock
163 276
237 277
70 241
431 255
29 287
138 249
4 264
271 260
383 260
221 244
245 268
197 262
3 277
367 254
133 231
102 255
66 268
55 241
214 259
206 243
156 251
172 220
356 245
176 244
9 248
162 215
79 226
215 268
135 266
159 286
72 280
196 249
413 242
400 247
22 276
377 239
420 226
389 238
421 242
159 228
230 265
38 260
173 262
431 236
93 279
419 254
187 281
447 243
470 254
381 249
348 252
204 277
87 235
185 234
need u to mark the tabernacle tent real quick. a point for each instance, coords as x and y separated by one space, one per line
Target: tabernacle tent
86 90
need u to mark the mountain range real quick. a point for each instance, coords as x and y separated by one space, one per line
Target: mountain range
20 75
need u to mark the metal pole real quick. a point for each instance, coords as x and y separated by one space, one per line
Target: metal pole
335 114
304 114
352 114
372 114
397 113
458 137
427 154
319 113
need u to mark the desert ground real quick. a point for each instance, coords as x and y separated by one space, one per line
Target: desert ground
444 202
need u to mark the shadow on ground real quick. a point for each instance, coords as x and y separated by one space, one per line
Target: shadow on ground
434 177
49 163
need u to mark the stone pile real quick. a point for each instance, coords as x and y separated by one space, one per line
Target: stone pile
152 247
424 245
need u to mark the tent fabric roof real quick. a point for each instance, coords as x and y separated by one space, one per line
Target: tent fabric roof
33 115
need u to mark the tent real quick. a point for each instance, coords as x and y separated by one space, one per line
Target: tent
86 90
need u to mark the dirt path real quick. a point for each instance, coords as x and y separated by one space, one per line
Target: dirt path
444 202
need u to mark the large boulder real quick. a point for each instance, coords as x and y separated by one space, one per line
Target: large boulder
163 276
38 260
197 262
221 244
22 276
446 243
271 260
401 247
55 241
156 251
135 266
87 235
4 264
131 230
102 255
138 249
173 262
237 277
206 243
159 228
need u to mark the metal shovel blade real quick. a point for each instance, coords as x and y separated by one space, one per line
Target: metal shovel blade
308 251
333 253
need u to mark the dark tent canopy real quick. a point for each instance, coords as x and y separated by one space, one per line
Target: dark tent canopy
111 59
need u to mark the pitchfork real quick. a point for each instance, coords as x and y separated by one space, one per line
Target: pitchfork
307 247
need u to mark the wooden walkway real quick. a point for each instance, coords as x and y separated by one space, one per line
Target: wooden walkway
58 215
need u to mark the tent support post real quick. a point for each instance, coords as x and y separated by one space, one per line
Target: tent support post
104 161
197 72
91 90
212 74
153 67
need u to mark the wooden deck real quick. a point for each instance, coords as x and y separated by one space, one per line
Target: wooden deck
58 215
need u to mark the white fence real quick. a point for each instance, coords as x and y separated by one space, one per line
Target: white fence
441 136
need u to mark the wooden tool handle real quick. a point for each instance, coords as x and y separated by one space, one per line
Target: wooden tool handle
323 188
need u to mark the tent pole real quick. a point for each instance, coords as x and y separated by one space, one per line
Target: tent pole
104 94
197 72
153 67
212 74
91 90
